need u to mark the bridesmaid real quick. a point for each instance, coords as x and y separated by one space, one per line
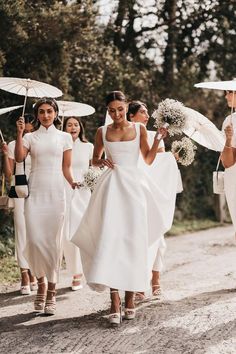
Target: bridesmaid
50 151
228 156
77 200
138 112
116 238
28 281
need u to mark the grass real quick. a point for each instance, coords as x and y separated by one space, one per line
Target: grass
10 272
187 226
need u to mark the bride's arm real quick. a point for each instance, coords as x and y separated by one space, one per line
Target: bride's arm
148 153
98 151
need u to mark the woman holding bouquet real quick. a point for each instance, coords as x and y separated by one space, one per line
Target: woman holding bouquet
76 200
164 172
123 224
50 151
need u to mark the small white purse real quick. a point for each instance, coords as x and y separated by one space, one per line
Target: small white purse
218 180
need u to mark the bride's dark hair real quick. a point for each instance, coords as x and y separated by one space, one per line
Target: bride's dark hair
115 96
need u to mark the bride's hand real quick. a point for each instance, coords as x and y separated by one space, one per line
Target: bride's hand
106 162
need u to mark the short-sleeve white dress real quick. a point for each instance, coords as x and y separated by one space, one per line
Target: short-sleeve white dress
230 174
76 203
19 211
125 219
45 206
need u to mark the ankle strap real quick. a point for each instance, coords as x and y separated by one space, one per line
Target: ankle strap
51 291
113 291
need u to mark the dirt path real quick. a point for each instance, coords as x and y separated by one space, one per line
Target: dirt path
198 314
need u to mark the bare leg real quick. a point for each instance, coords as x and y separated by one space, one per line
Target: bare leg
24 277
129 305
115 301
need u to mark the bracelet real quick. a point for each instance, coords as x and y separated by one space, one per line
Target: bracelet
228 147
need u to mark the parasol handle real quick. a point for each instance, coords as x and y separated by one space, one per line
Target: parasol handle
62 121
232 108
2 137
26 95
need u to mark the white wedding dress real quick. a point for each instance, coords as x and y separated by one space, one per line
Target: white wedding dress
124 222
164 172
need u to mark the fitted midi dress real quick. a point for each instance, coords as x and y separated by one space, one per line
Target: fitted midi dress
19 211
45 206
76 203
120 230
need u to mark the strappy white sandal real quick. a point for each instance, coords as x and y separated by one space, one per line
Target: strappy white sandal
130 314
39 302
115 318
50 304
25 289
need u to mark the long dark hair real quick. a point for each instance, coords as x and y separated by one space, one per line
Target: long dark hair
82 130
115 96
133 107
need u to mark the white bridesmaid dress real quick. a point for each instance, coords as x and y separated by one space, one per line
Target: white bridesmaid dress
45 206
124 222
164 172
230 175
76 203
19 212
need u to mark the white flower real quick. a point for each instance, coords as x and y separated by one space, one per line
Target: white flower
91 178
185 150
170 111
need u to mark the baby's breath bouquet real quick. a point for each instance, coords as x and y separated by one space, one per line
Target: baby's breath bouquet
170 111
185 151
91 178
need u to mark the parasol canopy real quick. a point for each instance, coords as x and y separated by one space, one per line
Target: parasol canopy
69 108
202 130
218 85
28 88
9 109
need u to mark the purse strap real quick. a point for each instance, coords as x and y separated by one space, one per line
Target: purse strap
218 163
15 167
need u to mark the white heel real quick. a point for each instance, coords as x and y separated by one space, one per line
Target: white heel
130 314
115 319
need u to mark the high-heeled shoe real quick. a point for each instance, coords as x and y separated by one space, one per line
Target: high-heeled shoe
39 302
115 318
130 314
25 289
156 291
78 286
50 305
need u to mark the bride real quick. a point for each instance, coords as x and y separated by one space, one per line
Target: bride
123 224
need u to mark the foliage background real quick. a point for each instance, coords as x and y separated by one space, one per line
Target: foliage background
149 49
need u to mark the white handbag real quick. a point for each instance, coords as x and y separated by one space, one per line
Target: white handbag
218 180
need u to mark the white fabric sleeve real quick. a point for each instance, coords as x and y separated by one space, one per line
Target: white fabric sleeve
68 142
27 140
11 150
